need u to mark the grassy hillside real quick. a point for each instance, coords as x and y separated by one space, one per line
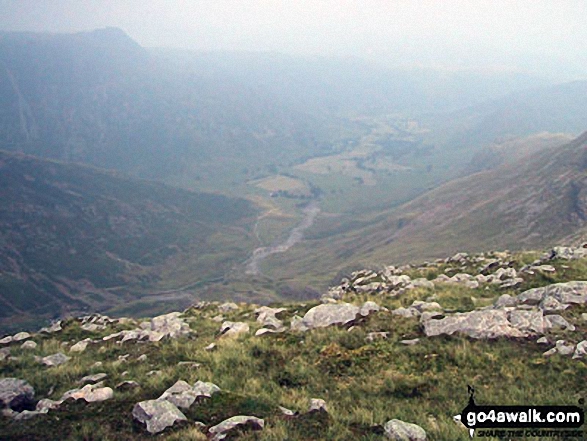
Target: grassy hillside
75 238
365 379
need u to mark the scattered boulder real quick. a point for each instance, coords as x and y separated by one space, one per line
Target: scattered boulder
20 336
581 350
80 346
219 431
90 393
29 344
55 359
227 307
92 379
411 342
267 317
232 329
16 394
400 431
157 415
180 394
205 389
46 404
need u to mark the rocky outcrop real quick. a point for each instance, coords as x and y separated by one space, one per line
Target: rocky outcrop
528 314
170 325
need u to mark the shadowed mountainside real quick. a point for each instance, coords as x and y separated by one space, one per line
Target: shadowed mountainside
75 238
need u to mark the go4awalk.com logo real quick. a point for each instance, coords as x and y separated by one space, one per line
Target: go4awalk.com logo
522 421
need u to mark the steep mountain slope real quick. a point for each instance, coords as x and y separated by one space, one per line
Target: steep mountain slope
75 238
513 149
535 202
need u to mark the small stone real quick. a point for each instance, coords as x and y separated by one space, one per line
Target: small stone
412 342
317 405
142 357
127 385
285 411
210 347
154 372
542 341
189 364
372 336
93 378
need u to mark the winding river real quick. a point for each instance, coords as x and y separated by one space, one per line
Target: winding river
296 234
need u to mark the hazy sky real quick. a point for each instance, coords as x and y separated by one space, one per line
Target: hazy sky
528 35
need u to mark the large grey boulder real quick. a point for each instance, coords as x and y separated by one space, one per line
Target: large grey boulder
157 415
400 431
322 316
219 431
16 394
